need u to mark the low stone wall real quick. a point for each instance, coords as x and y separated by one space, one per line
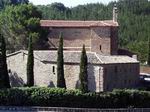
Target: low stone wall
65 109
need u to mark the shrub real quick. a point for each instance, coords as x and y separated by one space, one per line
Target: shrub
56 97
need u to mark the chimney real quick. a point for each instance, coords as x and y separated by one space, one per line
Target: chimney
115 13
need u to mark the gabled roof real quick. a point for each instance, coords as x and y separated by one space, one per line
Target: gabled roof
74 57
71 23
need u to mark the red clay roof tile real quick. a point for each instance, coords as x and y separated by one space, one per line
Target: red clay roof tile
66 23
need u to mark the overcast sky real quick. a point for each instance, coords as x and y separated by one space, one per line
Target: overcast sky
68 3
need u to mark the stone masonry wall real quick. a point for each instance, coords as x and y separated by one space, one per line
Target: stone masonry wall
114 40
121 76
102 40
73 37
45 73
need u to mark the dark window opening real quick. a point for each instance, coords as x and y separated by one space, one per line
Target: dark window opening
53 69
100 47
9 71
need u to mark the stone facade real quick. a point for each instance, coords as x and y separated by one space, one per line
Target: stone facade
103 75
123 75
99 39
106 69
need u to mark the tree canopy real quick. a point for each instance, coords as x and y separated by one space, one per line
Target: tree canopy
4 3
17 23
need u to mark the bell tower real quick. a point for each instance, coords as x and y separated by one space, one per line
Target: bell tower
115 13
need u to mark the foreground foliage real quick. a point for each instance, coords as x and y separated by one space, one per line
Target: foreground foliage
4 77
73 98
60 65
30 64
83 75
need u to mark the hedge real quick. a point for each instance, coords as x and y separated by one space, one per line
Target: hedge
56 97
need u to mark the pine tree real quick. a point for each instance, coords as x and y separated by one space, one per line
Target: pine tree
30 64
60 65
4 77
148 60
83 76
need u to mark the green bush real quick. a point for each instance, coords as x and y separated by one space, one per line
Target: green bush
56 97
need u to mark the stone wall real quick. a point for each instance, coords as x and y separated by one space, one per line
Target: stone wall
102 40
17 69
121 76
45 73
100 77
114 40
73 37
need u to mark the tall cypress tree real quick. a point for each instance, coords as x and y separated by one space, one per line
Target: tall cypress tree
148 60
83 76
30 64
4 77
60 65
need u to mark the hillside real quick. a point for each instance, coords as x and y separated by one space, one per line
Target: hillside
133 19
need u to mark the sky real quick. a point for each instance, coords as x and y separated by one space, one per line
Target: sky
69 3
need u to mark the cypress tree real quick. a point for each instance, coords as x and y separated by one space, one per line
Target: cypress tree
148 60
4 77
30 64
60 65
83 76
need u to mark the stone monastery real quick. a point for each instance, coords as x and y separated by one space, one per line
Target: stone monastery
107 69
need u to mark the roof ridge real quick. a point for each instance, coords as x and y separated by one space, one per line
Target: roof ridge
77 23
14 53
98 58
105 23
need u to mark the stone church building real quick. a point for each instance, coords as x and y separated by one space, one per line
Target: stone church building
107 69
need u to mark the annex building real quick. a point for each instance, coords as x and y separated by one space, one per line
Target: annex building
107 69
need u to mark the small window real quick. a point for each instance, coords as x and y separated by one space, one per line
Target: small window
9 71
53 69
100 47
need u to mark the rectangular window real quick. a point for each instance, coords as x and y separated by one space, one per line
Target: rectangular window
100 47
53 69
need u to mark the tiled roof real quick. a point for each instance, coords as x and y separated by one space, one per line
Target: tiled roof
69 56
66 23
116 59
74 57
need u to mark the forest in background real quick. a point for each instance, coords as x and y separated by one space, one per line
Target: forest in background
133 18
